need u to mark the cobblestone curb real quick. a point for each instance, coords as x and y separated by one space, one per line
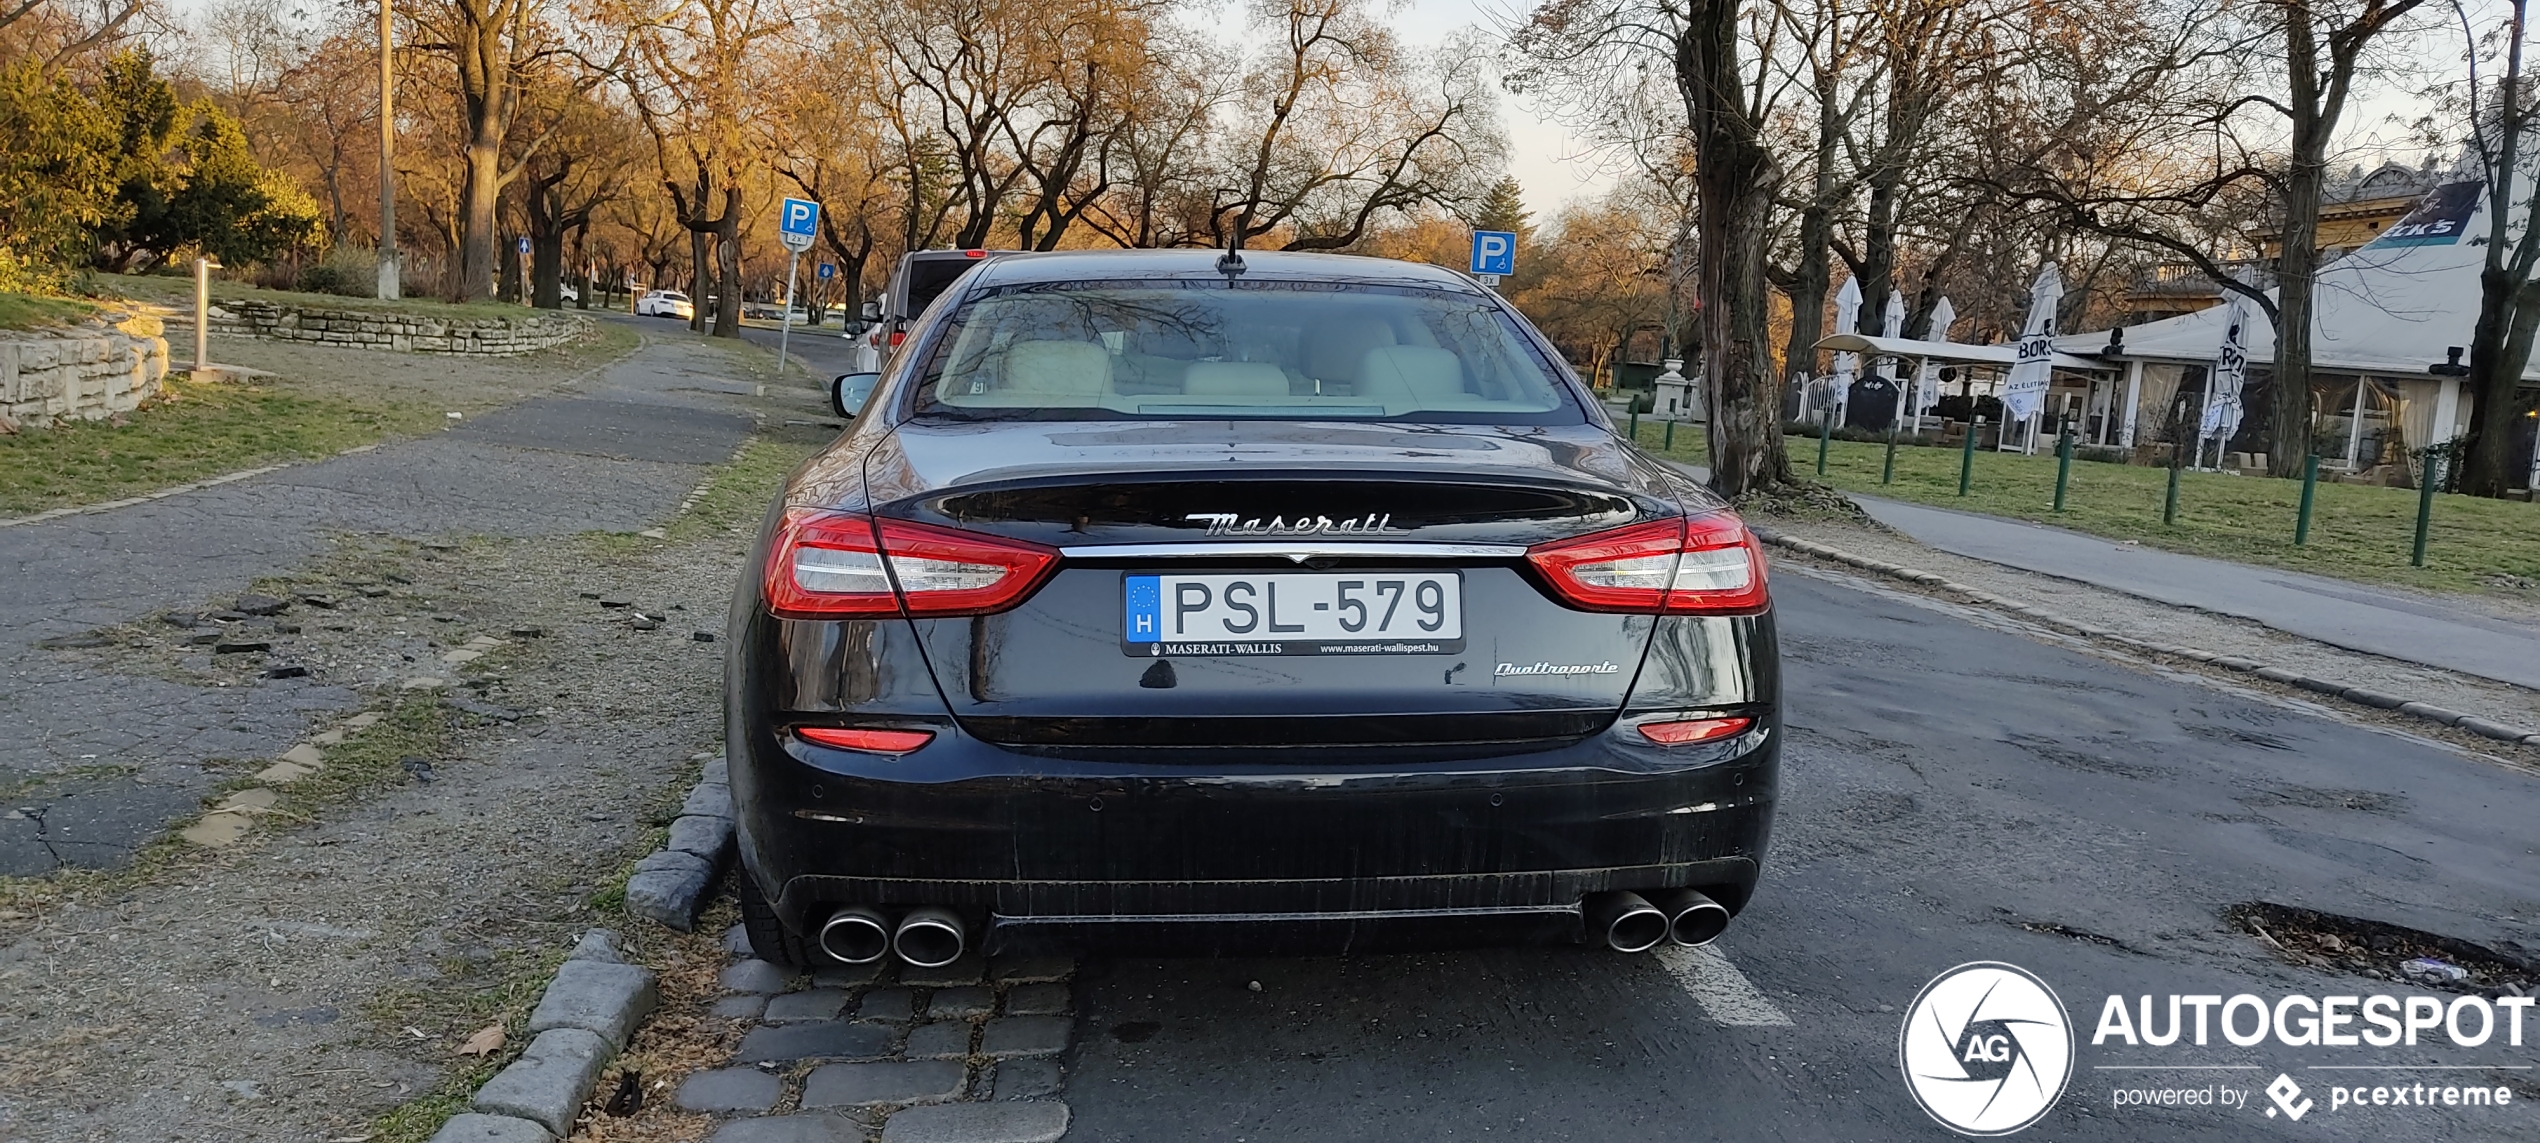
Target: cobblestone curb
2361 695
670 885
590 1008
968 1053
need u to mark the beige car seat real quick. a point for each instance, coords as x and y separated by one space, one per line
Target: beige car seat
1064 369
1335 350
1234 379
1415 376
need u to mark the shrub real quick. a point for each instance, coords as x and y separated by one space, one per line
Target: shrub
351 271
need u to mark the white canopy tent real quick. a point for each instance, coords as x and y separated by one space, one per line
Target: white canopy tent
2383 315
1951 352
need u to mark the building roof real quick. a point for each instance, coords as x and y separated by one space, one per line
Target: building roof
2392 308
1949 351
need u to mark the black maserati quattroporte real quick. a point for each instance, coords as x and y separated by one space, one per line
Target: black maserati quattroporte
1172 600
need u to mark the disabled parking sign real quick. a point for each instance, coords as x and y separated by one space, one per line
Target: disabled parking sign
796 224
1494 252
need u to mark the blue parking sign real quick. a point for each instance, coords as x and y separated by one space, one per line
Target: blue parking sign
1494 252
799 217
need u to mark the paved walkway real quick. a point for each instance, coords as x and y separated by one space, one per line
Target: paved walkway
2392 624
94 760
2335 612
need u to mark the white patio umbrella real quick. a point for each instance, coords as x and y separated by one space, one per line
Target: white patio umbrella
1847 313
1892 324
2024 391
2224 381
1927 379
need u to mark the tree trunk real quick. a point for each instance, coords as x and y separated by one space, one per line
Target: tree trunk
2499 345
1736 178
479 196
546 270
2289 404
507 284
727 232
699 276
1878 250
1808 286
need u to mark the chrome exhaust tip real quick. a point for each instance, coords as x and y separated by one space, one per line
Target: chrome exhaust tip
930 937
1693 918
857 934
1624 921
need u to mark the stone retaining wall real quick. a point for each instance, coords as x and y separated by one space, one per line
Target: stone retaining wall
389 329
86 372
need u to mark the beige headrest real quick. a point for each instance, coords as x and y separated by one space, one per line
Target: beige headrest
1333 350
1234 379
1417 372
1058 368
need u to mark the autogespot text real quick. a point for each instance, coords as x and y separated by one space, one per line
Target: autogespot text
2306 1021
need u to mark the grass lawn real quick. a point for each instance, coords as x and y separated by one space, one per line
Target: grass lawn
36 311
2357 532
198 430
169 290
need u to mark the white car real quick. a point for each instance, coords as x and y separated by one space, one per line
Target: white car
665 303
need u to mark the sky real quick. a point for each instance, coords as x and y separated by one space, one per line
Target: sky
1551 165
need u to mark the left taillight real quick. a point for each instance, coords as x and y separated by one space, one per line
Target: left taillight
871 740
1689 565
833 565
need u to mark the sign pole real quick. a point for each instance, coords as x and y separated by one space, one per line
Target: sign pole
785 320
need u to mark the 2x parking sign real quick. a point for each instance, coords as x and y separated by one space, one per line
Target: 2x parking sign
797 223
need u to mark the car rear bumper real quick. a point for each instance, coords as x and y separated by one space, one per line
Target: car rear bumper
1319 848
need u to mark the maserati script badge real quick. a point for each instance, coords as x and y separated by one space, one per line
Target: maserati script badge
1232 524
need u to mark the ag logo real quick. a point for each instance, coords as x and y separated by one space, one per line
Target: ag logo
1986 1048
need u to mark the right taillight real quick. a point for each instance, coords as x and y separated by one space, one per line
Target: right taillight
1687 731
1694 565
837 565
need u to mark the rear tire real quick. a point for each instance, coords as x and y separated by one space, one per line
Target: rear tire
770 939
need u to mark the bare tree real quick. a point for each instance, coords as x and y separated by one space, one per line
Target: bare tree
2508 294
1712 52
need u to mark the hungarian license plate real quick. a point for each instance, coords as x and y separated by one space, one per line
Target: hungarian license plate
1294 613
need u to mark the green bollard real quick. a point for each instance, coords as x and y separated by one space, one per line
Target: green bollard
1825 433
2063 462
2431 474
2310 481
1887 475
1635 426
1967 459
1669 445
2169 503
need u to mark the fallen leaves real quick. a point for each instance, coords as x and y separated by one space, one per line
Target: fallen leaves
486 1041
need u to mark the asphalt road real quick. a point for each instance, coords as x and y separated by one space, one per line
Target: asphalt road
1955 790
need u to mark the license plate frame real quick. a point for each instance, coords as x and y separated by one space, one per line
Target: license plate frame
1402 637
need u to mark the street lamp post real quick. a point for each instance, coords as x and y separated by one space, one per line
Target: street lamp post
388 284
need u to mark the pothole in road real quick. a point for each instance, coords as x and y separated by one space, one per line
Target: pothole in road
2384 951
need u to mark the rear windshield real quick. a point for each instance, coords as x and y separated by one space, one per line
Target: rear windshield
928 278
1207 350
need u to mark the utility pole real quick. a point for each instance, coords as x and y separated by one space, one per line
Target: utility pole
388 287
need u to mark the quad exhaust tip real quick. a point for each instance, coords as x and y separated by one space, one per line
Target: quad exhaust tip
1625 921
1693 918
930 937
857 934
